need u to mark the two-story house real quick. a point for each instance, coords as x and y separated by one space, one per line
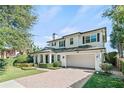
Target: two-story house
81 49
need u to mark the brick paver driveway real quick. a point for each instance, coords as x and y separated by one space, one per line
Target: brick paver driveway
60 78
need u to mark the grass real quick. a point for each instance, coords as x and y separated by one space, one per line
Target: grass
104 81
12 72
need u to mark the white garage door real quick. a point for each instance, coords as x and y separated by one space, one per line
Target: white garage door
85 60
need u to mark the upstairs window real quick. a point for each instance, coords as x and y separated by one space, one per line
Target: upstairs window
87 39
98 37
71 41
83 40
62 43
93 38
53 43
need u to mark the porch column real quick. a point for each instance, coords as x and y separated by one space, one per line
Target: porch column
98 61
55 57
34 58
44 60
50 58
39 59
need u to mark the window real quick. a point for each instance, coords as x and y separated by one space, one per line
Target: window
98 37
52 58
87 39
53 43
62 43
93 38
58 57
83 40
71 41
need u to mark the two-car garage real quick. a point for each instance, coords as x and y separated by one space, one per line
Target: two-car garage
81 60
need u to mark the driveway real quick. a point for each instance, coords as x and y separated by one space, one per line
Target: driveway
61 78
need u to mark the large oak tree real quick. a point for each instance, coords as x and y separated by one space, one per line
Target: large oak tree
15 24
116 15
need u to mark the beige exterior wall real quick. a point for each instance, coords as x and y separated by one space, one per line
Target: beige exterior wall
77 39
63 57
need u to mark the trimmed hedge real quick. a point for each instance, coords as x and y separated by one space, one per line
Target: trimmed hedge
28 68
23 64
46 65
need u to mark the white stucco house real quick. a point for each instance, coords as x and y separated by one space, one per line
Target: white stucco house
80 49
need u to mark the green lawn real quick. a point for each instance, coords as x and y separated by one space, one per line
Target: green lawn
14 72
104 81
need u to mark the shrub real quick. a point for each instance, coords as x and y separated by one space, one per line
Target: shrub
122 67
106 67
24 64
57 64
23 59
2 63
29 59
111 57
46 65
28 68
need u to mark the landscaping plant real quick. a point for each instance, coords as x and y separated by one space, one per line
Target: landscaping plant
106 67
122 67
111 58
46 65
57 64
2 63
23 61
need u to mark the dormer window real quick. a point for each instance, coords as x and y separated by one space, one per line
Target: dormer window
93 38
87 39
71 41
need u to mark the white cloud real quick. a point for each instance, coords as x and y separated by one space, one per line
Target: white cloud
81 13
103 23
47 38
72 26
51 13
68 30
108 38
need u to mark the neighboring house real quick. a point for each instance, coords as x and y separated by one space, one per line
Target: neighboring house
81 49
8 53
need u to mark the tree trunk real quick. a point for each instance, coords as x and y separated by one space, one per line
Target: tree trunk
120 50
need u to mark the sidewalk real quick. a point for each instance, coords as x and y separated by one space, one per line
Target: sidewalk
117 73
11 84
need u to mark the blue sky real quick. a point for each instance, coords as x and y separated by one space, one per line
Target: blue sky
64 20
